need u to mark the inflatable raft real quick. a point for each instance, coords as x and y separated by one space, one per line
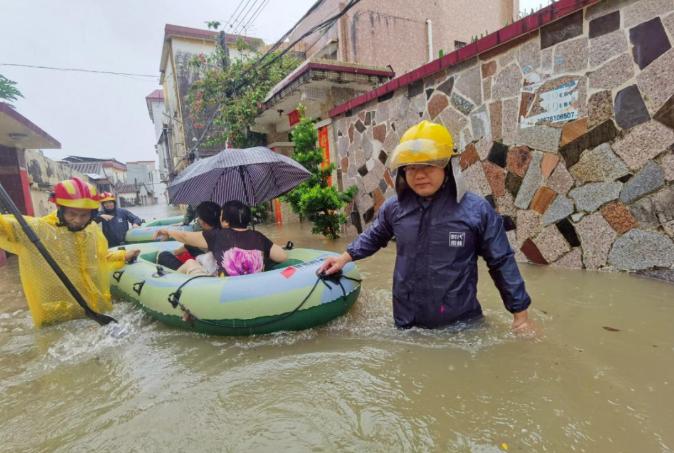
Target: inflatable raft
165 221
287 297
146 232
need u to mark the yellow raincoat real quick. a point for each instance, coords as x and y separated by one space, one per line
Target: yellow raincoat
83 256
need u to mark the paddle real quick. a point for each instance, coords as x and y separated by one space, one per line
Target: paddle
9 204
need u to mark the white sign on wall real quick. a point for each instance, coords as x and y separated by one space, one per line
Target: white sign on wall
558 105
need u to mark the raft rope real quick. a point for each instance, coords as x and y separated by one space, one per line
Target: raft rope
174 300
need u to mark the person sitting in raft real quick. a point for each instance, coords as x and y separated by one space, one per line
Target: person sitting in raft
193 260
440 230
115 220
237 250
78 246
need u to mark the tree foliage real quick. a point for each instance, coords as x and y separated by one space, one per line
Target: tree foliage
314 199
8 90
232 95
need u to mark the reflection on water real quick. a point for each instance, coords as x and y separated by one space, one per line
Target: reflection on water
357 384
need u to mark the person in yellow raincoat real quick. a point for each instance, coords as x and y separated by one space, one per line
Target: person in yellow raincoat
77 245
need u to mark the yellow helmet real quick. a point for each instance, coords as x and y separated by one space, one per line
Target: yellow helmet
424 144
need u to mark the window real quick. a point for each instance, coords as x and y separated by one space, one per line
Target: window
459 44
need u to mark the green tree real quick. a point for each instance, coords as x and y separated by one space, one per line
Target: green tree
8 90
314 199
231 96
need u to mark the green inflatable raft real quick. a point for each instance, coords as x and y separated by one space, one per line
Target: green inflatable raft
146 232
165 221
288 297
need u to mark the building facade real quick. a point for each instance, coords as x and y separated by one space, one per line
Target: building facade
156 109
181 46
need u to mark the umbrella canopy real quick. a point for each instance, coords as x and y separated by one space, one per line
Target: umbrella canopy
251 175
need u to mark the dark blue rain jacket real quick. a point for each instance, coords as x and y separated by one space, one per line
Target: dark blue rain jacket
438 241
116 228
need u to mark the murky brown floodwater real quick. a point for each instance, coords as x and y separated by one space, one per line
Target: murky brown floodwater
357 384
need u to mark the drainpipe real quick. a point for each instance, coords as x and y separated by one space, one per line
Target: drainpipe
429 36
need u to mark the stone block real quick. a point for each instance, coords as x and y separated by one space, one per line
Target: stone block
518 160
572 260
469 83
598 165
605 47
488 69
667 164
630 109
483 146
562 30
648 180
619 217
644 212
560 181
571 56
606 7
529 55
596 238
498 154
360 126
350 133
486 88
379 132
567 230
663 204
551 244
513 183
437 104
656 83
638 249
462 104
495 177
378 198
452 120
560 209
481 123
531 252
531 182
542 138
612 74
644 10
528 225
592 196
383 157
546 59
447 86
495 115
542 199
525 103
599 108
643 142
505 205
415 88
476 181
548 164
573 129
602 133
510 120
468 157
507 83
649 41
391 141
604 24
666 113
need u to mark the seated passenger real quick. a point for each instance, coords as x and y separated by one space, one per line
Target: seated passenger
193 260
237 250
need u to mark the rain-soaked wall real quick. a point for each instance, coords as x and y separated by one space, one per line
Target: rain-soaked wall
557 129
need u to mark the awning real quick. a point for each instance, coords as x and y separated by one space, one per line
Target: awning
17 131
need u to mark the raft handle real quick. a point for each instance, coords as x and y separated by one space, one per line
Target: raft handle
160 272
138 287
117 275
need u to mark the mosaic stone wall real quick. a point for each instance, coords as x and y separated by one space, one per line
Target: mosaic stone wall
557 130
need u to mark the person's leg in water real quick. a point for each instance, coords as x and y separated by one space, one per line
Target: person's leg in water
169 260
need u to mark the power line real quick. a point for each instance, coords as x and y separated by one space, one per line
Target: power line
229 21
244 15
235 17
326 24
92 71
255 15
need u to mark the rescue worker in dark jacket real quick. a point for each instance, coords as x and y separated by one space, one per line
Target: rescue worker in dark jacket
115 221
440 229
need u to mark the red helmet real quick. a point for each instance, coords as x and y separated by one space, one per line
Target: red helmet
75 193
107 196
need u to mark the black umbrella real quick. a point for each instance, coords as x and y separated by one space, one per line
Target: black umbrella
251 175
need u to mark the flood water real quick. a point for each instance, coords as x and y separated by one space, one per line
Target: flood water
357 384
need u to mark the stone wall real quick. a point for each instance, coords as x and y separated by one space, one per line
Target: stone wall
556 129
